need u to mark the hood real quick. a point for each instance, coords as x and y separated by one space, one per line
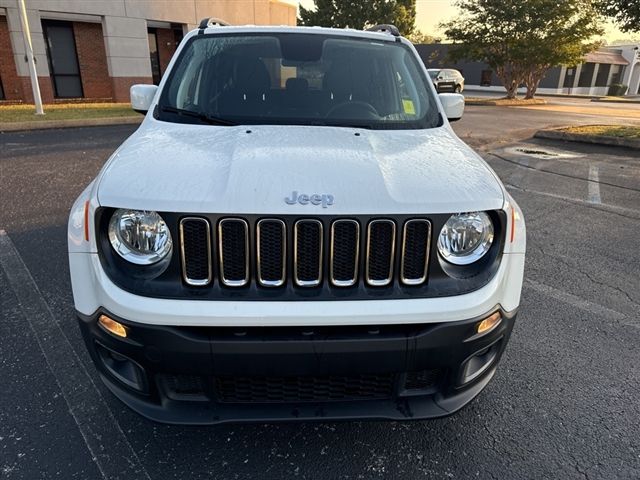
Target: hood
253 170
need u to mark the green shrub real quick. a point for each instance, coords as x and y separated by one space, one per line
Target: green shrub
617 90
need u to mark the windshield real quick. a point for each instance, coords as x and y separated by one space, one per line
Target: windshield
298 79
433 73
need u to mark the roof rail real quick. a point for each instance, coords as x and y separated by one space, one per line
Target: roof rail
385 28
212 22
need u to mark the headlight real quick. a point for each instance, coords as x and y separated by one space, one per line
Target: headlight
140 237
465 238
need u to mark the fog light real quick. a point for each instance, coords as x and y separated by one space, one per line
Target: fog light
122 368
480 363
489 323
113 327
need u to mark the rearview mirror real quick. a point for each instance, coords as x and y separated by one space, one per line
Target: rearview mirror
142 97
453 105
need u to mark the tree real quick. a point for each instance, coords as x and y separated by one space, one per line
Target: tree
557 33
487 31
521 39
625 13
359 15
418 37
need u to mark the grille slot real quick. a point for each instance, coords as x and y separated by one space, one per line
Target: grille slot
303 389
416 242
381 241
233 238
195 251
307 269
271 252
345 252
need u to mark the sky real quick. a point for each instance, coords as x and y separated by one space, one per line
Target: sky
432 12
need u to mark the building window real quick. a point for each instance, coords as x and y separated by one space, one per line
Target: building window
178 34
1 90
154 56
616 74
569 77
63 59
586 75
485 78
603 75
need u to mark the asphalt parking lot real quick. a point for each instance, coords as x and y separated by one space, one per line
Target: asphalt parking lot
564 403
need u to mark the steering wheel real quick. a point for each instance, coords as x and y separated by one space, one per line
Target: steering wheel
354 109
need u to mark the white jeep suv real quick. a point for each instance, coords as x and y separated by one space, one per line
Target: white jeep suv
295 232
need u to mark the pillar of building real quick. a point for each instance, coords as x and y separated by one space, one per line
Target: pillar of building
19 54
576 78
593 78
563 74
127 48
634 79
611 74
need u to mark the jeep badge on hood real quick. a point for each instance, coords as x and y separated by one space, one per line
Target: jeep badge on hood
316 199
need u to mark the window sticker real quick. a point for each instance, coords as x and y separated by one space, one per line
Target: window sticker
409 107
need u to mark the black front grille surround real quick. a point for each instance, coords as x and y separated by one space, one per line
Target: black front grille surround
253 281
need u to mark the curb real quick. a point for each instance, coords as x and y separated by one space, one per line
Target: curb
48 124
502 102
560 95
605 100
592 139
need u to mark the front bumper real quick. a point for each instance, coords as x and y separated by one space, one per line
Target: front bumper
208 375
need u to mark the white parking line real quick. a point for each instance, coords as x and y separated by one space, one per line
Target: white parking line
604 207
594 185
97 425
579 302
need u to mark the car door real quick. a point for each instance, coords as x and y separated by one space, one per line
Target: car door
448 82
441 81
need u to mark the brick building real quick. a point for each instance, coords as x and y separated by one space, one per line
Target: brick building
97 49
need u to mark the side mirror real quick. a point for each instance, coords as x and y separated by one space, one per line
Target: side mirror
142 97
453 105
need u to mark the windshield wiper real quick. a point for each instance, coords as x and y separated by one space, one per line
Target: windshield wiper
199 115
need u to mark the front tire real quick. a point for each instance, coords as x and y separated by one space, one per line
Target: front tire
457 89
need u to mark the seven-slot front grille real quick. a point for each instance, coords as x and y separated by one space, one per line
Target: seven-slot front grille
275 253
